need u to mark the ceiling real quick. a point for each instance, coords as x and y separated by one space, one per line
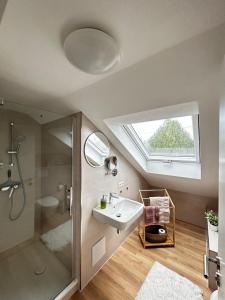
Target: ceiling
33 66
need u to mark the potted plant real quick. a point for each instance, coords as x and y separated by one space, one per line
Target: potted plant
212 217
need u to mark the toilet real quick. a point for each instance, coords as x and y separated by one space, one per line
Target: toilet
48 206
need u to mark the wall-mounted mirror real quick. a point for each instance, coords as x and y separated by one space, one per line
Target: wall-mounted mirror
96 149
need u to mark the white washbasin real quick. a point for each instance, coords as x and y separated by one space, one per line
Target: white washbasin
121 214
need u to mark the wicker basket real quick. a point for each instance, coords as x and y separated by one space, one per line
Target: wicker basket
153 235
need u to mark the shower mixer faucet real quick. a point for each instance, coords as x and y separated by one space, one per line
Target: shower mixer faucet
10 185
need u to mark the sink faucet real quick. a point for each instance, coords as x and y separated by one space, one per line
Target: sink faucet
112 195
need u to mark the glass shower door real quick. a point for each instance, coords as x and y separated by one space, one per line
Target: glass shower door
36 243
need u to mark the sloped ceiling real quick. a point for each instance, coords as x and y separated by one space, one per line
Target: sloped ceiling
172 53
188 72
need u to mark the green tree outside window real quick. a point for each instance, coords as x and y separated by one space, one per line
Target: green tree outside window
170 137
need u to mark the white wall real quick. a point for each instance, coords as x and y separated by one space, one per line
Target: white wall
187 72
94 184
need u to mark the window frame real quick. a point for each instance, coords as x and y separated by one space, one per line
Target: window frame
128 128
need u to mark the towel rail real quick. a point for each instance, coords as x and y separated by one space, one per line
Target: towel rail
145 199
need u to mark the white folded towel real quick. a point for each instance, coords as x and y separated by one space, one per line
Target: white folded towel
164 210
160 201
164 219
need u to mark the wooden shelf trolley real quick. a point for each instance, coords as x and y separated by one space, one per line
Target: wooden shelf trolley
170 227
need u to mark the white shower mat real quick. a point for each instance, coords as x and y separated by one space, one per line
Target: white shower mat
58 238
164 284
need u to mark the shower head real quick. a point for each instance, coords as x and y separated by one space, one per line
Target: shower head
19 140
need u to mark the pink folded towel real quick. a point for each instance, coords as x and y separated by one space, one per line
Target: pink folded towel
164 211
151 215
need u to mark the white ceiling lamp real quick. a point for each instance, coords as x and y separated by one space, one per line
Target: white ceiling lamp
91 50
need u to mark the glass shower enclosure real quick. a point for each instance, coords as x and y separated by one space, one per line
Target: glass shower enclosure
36 218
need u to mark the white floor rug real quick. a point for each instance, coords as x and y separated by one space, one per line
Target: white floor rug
58 238
163 284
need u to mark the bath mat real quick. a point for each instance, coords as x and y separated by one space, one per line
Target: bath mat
58 238
164 284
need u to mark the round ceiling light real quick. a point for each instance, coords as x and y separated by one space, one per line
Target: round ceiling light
91 50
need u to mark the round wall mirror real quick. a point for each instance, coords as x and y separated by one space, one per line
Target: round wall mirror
96 149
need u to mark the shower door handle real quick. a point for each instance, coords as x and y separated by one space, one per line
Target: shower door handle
71 200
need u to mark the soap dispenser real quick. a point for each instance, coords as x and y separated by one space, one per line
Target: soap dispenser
103 202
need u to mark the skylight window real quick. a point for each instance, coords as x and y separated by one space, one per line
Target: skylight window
162 141
173 139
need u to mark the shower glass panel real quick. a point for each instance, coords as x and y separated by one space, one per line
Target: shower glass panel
36 242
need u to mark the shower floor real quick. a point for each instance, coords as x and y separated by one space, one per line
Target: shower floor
18 280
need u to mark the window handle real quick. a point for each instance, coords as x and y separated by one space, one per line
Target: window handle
168 161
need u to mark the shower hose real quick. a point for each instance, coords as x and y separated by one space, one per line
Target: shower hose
16 216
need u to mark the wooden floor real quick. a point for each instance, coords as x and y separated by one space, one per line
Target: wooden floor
123 275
